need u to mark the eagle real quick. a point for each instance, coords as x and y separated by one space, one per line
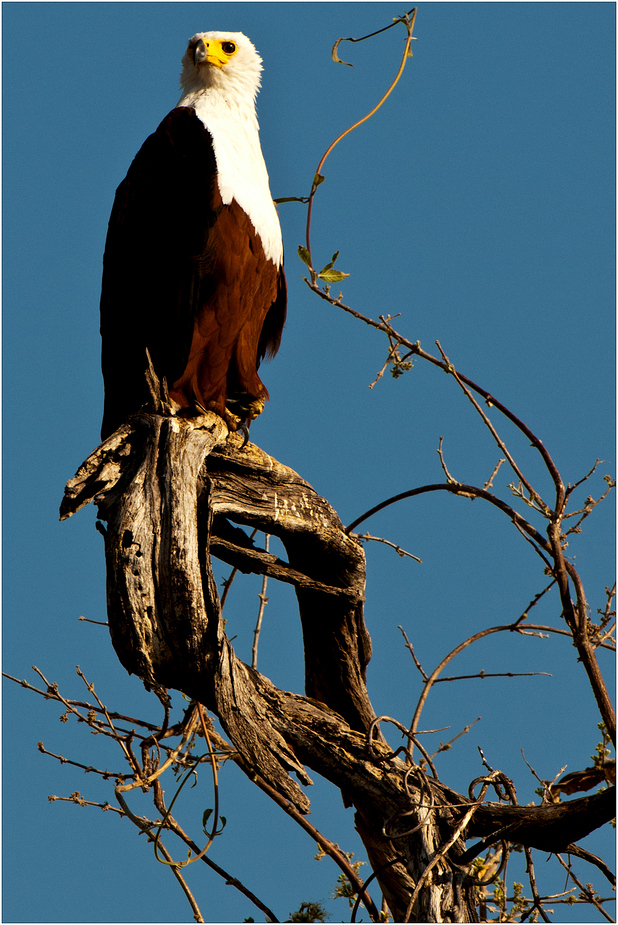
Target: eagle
193 265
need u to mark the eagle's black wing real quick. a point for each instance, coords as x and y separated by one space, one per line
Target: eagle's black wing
156 261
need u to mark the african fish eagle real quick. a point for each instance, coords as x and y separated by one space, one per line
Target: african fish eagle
193 264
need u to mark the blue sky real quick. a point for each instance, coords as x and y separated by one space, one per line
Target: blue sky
479 204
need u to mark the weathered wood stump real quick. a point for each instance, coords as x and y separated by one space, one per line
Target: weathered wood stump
170 491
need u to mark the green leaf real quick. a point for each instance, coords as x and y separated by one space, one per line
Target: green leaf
206 817
329 265
333 276
304 255
317 180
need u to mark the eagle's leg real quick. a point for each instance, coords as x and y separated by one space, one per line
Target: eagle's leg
233 421
247 406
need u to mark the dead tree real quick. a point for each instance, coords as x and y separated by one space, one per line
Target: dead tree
171 492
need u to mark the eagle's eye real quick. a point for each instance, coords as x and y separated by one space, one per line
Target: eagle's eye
228 47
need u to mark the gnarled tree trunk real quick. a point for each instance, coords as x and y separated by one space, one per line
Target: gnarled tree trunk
170 490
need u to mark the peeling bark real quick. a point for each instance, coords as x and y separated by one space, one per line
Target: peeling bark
170 490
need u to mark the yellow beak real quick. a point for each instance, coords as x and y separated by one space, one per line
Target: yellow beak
209 53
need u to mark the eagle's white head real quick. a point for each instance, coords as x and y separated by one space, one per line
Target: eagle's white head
225 61
220 80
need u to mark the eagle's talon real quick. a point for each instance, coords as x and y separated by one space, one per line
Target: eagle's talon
244 430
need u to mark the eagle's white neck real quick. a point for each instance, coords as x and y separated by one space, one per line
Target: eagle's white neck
231 120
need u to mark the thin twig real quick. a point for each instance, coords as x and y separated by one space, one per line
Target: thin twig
591 503
606 622
575 615
537 902
327 846
415 348
585 855
537 629
123 741
88 769
197 915
53 693
147 826
143 824
497 674
467 392
458 488
588 894
449 477
406 749
487 485
49 694
385 916
399 364
547 785
380 539
410 648
571 488
535 600
447 745
80 801
260 616
227 584
437 671
140 781
576 618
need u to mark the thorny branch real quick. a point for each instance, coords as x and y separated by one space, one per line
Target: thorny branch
147 778
587 891
575 615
